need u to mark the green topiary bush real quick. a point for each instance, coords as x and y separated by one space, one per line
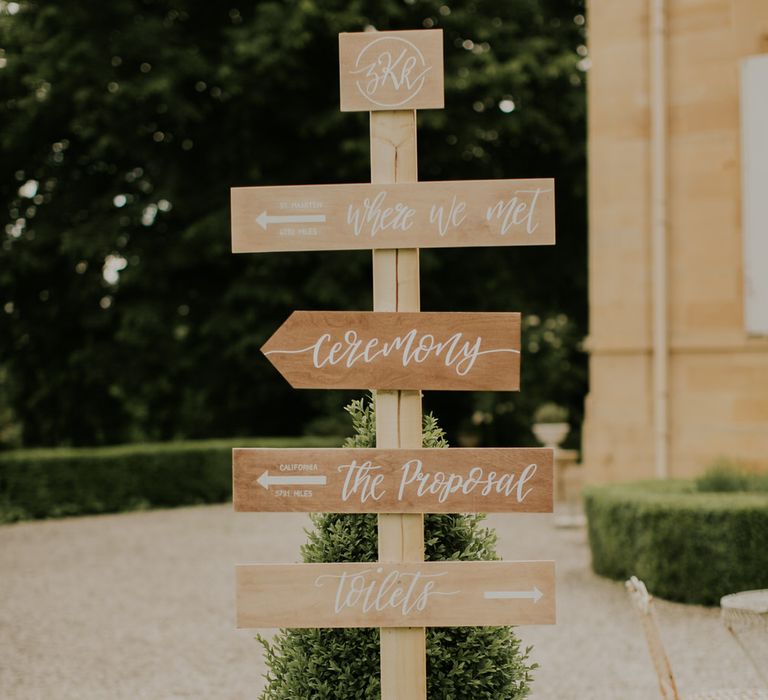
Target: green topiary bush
54 482
472 663
725 475
687 546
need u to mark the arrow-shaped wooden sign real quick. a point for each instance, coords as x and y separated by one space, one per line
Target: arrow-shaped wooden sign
456 480
415 215
375 594
380 350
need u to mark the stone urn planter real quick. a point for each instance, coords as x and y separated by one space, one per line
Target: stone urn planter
551 428
550 424
551 434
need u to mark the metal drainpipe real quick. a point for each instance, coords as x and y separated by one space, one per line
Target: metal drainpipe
658 107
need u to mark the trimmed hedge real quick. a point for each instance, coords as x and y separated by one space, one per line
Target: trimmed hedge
687 546
55 482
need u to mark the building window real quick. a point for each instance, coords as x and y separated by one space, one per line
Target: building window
754 184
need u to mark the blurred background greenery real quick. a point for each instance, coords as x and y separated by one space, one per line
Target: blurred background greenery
124 317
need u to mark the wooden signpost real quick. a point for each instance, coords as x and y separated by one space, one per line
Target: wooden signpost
398 352
490 480
426 594
380 350
424 215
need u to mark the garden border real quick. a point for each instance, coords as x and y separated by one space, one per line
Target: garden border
55 482
687 546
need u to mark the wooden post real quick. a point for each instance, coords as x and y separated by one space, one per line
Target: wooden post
398 413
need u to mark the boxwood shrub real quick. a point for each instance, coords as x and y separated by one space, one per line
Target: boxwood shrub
52 482
687 546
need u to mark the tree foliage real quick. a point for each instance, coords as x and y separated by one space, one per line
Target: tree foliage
124 316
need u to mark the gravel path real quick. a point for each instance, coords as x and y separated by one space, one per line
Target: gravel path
140 605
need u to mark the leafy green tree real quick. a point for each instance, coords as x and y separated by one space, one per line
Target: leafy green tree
123 314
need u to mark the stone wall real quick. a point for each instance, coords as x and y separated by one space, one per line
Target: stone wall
718 376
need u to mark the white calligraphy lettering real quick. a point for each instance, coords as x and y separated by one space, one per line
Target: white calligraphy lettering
373 216
516 211
454 218
360 480
368 590
390 63
443 485
455 352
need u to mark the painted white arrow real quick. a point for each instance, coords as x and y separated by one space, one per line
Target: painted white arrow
534 595
265 219
265 480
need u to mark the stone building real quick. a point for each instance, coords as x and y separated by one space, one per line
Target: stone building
678 209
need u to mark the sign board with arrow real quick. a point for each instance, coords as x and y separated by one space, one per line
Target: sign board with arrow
381 350
489 480
457 213
400 351
398 594
391 70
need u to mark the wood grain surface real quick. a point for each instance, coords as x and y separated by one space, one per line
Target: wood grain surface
391 70
455 480
458 213
382 350
402 650
396 594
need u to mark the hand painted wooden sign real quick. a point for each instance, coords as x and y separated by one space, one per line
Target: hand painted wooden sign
375 594
491 480
447 214
379 350
391 70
